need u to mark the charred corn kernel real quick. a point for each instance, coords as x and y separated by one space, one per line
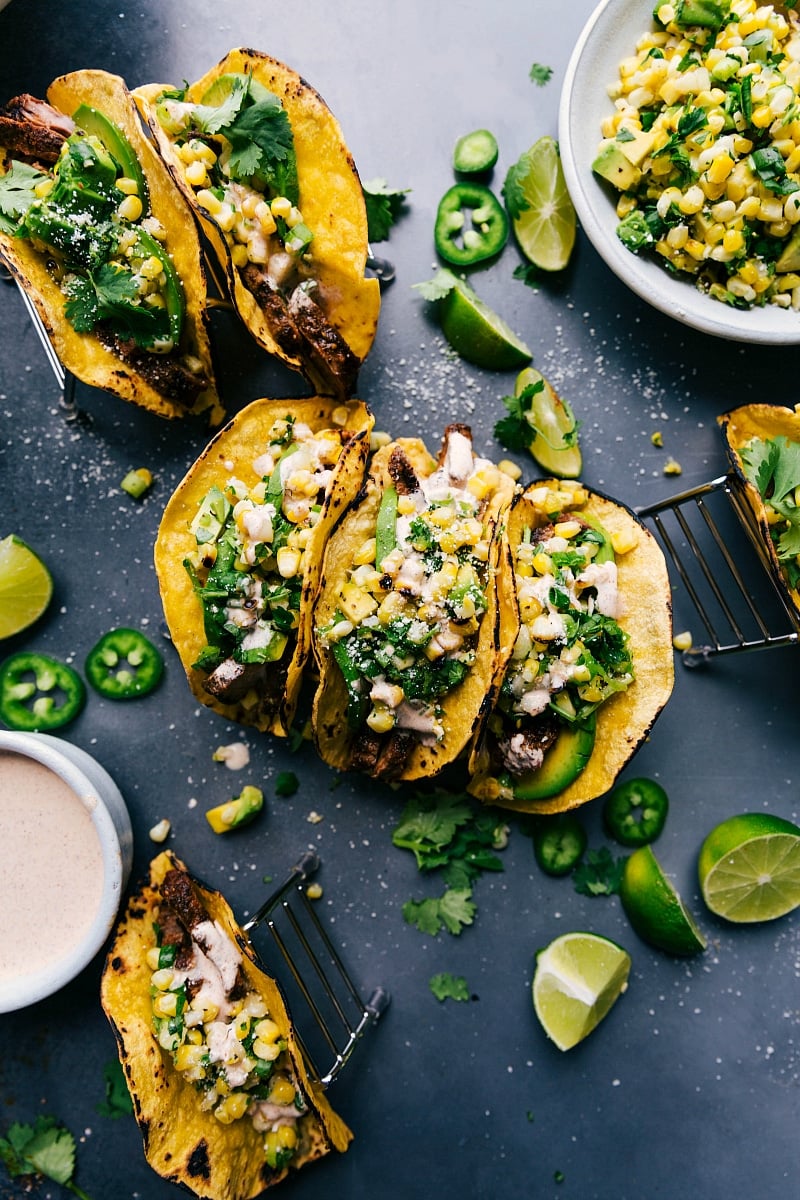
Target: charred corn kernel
682 641
196 174
406 505
624 541
232 1108
265 217
365 555
166 1004
733 241
281 206
288 562
239 256
189 1057
530 608
130 209
162 978
128 187
695 248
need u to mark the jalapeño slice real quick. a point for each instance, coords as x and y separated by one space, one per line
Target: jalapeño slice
124 665
39 693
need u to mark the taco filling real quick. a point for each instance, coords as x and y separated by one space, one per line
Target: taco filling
75 190
235 150
406 620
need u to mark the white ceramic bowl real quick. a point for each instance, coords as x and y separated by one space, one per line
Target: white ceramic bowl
610 35
106 807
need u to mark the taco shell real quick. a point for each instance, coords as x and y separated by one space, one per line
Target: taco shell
232 453
331 201
463 706
181 1142
765 422
625 719
82 353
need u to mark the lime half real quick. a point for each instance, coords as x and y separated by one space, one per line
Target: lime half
654 908
555 445
477 333
540 207
25 586
578 978
749 868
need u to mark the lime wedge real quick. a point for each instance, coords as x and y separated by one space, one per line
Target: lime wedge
477 333
25 586
749 868
578 978
654 908
540 207
555 446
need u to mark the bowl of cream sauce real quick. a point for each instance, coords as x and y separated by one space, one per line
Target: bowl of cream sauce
66 848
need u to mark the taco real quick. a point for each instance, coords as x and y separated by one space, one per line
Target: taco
763 446
240 545
220 1089
591 664
95 232
407 624
263 162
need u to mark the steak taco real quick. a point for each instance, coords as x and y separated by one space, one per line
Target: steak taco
95 232
219 1086
407 624
263 162
240 545
763 445
591 665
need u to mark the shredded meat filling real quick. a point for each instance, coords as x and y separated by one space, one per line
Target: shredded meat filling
33 130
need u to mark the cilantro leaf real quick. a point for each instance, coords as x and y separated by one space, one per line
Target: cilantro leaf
428 823
384 205
452 911
44 1148
286 783
449 987
600 874
210 118
110 293
529 273
516 432
773 467
437 288
262 144
513 187
539 74
118 1101
17 193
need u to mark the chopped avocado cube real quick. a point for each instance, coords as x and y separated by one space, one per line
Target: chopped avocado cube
563 763
634 232
637 145
790 258
710 14
236 812
210 517
611 164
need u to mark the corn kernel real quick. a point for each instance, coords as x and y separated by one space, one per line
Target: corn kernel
281 1091
281 207
510 468
239 256
128 187
130 209
406 505
232 1108
162 978
166 1004
624 541
733 241
196 174
542 563
189 1057
365 555
153 957
288 562
682 641
567 529
720 168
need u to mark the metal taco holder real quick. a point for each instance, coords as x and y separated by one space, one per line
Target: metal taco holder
716 549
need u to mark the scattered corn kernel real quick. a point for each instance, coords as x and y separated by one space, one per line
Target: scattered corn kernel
682 641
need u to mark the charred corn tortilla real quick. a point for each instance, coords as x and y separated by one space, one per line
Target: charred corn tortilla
764 422
182 1143
336 741
231 455
330 199
83 353
624 720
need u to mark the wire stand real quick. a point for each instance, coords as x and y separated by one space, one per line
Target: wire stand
729 578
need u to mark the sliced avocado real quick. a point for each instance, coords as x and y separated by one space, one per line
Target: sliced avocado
709 14
563 763
91 120
637 146
605 552
611 164
790 258
211 516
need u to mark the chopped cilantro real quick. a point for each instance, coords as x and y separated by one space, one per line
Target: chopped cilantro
429 824
17 193
118 1100
773 467
449 987
286 783
600 874
452 911
44 1148
437 288
540 75
384 205
515 432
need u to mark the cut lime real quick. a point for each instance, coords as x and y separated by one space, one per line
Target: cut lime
25 586
654 908
555 446
475 152
749 868
540 207
578 978
477 333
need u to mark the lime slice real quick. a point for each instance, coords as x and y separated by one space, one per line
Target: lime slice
477 333
25 586
555 446
749 868
540 207
654 908
475 152
578 978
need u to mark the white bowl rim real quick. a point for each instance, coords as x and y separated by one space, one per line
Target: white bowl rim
116 847
587 76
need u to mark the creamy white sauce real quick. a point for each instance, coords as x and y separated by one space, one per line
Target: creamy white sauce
51 867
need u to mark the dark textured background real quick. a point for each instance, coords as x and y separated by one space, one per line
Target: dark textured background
691 1085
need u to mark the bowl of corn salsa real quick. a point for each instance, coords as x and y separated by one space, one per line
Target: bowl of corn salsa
679 130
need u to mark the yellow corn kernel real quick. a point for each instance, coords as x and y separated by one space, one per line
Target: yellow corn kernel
695 248
267 1030
482 483
393 605
793 161
720 168
281 207
266 1051
196 174
624 540
340 415
189 1057
282 1090
542 563
762 117
152 267
226 218
381 719
749 207
128 187
130 209
691 201
530 608
166 1005
241 1026
406 505
288 561
510 468
448 543
285 1137
524 569
441 517
239 256
770 209
365 555
162 978
567 529
678 236
714 234
232 1108
265 217
682 641
44 188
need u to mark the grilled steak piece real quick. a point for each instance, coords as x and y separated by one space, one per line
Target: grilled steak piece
231 681
403 475
383 756
324 345
524 750
32 129
182 906
164 372
282 327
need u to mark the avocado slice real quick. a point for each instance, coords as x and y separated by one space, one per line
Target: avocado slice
790 258
637 145
91 120
563 762
611 164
